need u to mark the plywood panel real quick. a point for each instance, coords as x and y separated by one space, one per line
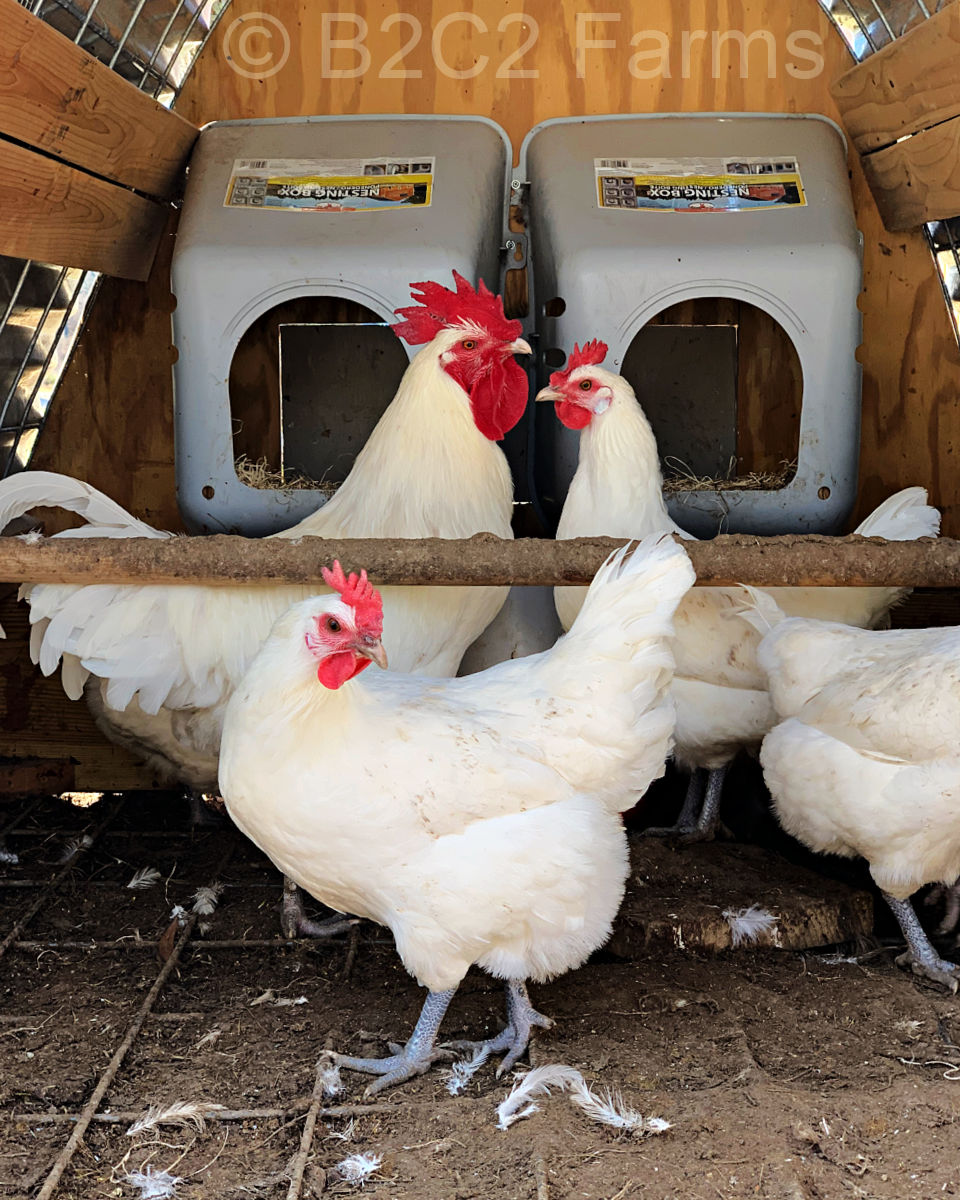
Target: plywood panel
111 423
56 213
56 97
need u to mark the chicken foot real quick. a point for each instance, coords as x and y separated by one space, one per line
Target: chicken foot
294 921
522 1018
699 818
415 1058
921 956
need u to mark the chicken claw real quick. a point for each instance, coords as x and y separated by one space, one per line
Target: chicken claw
415 1058
294 921
921 957
522 1018
699 818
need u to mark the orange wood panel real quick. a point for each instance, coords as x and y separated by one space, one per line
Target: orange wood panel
56 213
56 97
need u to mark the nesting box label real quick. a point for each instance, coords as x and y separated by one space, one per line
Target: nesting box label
699 185
330 185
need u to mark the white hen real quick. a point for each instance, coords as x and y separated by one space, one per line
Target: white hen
865 759
719 689
477 818
165 660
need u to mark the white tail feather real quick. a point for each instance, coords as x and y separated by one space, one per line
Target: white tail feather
45 489
902 517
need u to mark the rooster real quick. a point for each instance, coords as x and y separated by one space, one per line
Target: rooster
158 664
719 689
864 760
477 818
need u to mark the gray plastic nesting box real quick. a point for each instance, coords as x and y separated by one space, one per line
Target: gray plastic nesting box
350 207
632 214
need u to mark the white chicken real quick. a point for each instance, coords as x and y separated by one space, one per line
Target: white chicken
719 689
865 759
159 663
477 818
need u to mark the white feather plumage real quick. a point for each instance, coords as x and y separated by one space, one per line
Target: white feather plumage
719 688
496 797
166 659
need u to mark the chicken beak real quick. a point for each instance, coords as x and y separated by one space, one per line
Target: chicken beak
548 393
520 347
374 651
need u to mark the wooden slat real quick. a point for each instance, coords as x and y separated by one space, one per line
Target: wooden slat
36 777
58 98
910 85
917 180
55 213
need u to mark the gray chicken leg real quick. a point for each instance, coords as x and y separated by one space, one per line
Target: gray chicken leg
416 1057
294 921
921 956
522 1018
699 818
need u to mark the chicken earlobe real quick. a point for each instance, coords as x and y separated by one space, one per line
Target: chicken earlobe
921 956
416 1057
522 1018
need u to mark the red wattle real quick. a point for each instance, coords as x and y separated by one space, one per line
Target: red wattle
498 398
334 670
574 416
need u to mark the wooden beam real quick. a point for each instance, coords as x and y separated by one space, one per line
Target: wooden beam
789 561
910 85
917 180
56 97
55 213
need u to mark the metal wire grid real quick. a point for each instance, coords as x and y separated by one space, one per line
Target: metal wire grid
153 44
867 26
51 1172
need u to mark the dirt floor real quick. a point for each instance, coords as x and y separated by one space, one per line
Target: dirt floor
783 1074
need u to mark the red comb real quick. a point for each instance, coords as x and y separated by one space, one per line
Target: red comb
439 308
360 594
592 355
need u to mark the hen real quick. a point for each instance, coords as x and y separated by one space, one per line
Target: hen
477 818
159 663
719 689
864 760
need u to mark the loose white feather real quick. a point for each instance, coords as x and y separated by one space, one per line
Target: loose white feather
608 1109
181 1115
357 1169
153 1185
749 925
145 878
205 900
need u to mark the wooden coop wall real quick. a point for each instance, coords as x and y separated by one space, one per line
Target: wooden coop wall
112 420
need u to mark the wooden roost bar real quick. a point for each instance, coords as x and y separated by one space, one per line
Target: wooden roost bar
90 168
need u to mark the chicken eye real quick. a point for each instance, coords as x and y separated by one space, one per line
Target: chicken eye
469 344
586 385
333 625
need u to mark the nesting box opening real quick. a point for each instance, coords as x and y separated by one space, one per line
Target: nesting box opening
721 383
309 380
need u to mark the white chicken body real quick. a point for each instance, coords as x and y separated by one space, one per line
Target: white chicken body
165 660
477 818
719 688
864 760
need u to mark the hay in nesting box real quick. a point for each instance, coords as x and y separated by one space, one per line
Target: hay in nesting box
683 479
263 477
